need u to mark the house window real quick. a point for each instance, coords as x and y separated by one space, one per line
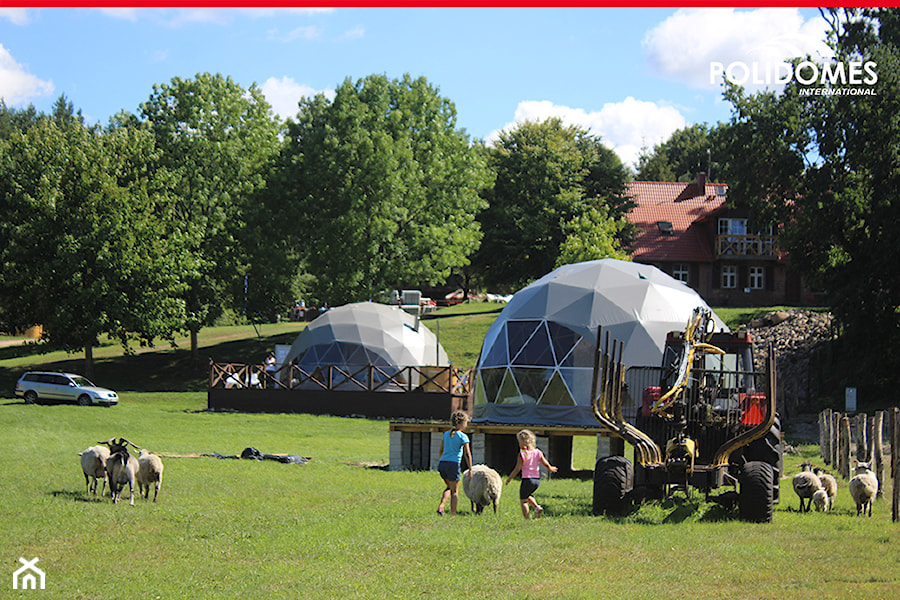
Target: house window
757 278
732 226
680 272
729 277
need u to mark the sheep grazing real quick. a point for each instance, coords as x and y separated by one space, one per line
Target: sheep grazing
821 501
93 464
829 483
484 488
121 468
863 488
805 485
150 470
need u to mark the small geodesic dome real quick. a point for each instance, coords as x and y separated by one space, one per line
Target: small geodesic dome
354 336
536 362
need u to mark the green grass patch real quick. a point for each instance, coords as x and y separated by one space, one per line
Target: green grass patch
339 528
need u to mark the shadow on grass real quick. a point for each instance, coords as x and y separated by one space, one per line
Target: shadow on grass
76 496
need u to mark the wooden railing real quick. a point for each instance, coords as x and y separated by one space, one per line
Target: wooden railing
745 245
371 378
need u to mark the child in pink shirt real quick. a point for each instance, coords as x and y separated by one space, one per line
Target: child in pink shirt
529 464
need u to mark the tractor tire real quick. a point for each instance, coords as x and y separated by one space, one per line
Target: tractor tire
768 449
756 497
613 480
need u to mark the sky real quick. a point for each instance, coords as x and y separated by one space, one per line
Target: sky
631 76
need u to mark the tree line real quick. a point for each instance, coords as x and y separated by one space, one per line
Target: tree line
202 200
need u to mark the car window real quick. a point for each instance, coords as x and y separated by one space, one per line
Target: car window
59 379
82 382
32 377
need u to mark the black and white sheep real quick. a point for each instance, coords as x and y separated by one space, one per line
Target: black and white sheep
484 488
93 465
863 488
121 468
150 470
805 485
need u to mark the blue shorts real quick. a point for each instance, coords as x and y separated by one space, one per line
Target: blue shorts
528 487
449 470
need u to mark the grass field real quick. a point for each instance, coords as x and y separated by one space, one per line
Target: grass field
341 526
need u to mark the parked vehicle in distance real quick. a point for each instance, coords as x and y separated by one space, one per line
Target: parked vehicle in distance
39 386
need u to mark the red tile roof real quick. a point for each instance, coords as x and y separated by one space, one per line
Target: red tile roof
681 205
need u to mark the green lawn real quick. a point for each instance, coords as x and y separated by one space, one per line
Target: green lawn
339 528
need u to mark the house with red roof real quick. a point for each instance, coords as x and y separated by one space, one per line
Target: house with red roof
688 231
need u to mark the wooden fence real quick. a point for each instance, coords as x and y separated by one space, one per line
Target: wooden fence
840 433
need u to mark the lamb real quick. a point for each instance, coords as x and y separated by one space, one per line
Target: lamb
821 501
805 485
829 483
93 464
484 487
121 468
150 470
863 487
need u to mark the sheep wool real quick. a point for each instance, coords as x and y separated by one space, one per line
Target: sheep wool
821 501
805 485
484 488
93 465
150 470
863 488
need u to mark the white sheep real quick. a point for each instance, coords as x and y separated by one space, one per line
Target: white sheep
805 485
829 483
821 501
93 465
121 468
150 470
484 488
863 488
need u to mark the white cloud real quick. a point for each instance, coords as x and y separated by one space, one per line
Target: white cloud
683 46
16 85
18 16
284 94
176 17
307 32
356 33
627 127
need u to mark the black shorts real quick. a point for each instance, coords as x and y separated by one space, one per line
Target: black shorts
449 470
528 487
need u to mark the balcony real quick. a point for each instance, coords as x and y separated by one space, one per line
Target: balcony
746 246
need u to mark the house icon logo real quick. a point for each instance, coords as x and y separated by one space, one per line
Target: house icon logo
28 576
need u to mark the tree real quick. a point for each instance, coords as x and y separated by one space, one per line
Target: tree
548 175
216 141
694 149
81 245
591 236
382 186
827 168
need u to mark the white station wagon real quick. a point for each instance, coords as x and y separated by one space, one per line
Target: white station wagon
37 386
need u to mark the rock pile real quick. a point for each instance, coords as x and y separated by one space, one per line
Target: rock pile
797 336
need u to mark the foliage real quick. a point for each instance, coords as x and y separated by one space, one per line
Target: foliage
216 140
591 236
687 152
82 249
381 186
547 175
827 167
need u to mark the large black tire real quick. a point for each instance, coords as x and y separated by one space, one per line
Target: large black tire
756 497
613 481
768 449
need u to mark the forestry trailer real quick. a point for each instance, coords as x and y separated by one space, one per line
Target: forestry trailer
709 424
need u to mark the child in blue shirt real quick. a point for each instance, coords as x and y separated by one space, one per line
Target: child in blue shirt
454 444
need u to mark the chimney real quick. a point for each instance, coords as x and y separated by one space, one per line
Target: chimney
701 183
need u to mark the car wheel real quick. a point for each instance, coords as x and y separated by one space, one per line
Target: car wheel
30 397
84 400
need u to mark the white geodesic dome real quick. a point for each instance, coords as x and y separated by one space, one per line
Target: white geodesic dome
365 333
537 358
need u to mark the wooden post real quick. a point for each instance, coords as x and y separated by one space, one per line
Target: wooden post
895 462
835 438
844 455
824 422
862 445
878 449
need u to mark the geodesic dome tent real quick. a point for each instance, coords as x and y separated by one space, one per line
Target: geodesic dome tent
354 336
536 362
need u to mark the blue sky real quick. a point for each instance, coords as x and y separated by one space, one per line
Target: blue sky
630 75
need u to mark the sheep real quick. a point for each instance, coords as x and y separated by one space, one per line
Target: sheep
93 464
863 487
484 487
805 485
820 500
150 470
829 483
121 468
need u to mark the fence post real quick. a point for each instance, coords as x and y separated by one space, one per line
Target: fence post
862 443
835 438
824 422
844 455
878 448
895 462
